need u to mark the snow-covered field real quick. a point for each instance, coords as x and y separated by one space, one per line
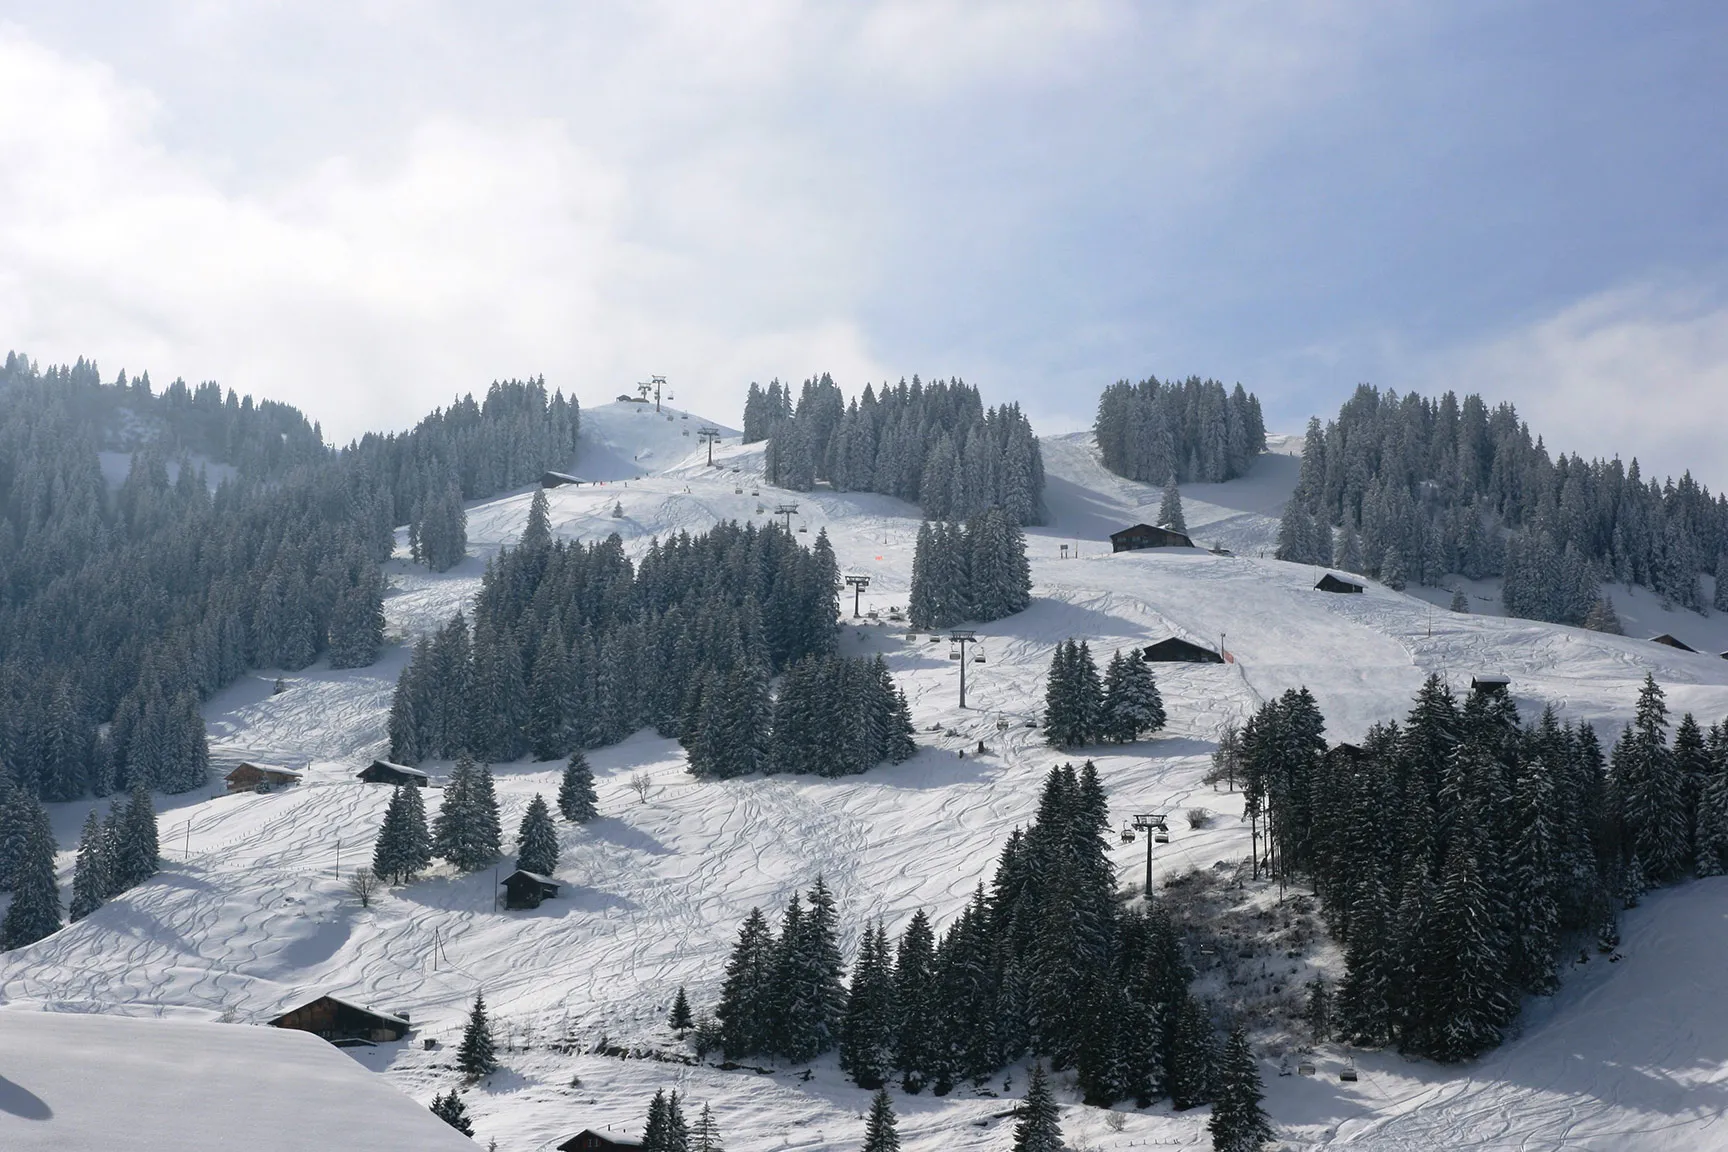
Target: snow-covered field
250 915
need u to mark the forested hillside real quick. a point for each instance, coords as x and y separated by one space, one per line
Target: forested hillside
934 444
1403 487
132 605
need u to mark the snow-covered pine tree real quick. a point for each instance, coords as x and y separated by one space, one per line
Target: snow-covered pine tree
1170 507
538 531
1720 600
1712 834
1133 706
577 800
867 1028
537 839
1038 1129
1466 995
1295 534
1535 937
1239 1123
449 1108
477 1055
404 846
705 1133
880 1132
466 831
748 994
1460 602
136 850
679 1017
92 875
1651 794
1393 572
917 1054
34 913
1603 618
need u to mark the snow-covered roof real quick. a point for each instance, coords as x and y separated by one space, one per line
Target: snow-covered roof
71 1081
390 1016
395 767
272 769
531 876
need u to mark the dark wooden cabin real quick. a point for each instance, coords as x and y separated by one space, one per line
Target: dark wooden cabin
384 772
251 777
1146 536
1175 651
1672 643
527 889
1498 685
559 479
589 1140
339 1021
1331 583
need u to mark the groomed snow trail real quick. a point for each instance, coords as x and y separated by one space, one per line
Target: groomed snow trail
250 915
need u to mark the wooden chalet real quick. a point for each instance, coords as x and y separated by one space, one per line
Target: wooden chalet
1146 536
589 1140
559 479
1177 651
249 776
1331 583
1672 643
384 772
343 1023
523 889
1497 685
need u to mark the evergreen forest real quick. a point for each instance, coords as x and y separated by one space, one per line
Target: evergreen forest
1187 432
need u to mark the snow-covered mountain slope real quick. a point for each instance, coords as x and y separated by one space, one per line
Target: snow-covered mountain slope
250 915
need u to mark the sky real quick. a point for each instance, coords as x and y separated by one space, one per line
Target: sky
370 207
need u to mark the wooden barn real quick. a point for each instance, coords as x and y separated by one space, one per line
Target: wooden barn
524 889
384 772
589 1140
248 776
559 479
1331 583
1146 536
1672 643
1497 685
1177 651
343 1023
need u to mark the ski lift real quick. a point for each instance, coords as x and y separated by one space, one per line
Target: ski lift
755 492
935 639
737 491
953 653
1001 723
1306 1067
760 509
1127 834
1348 1073
803 527
978 659
685 416
911 635
1161 834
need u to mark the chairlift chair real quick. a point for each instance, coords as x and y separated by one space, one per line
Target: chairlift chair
803 527
737 491
755 492
1162 834
1348 1073
911 635
953 653
1306 1067
978 659
1127 834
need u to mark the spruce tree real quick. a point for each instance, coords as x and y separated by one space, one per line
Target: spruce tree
1239 1123
916 1042
679 1017
880 1132
748 994
92 876
537 839
136 850
404 846
1038 1129
466 832
477 1055
867 1028
538 532
450 1109
1535 941
1460 602
1133 706
1170 507
705 1133
34 913
577 800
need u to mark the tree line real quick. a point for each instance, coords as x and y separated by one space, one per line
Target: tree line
933 444
1409 488
1081 709
1162 432
1457 853
121 609
574 646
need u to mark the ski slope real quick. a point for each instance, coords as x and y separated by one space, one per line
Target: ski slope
250 915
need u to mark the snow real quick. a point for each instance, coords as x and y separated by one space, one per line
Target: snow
251 915
73 1082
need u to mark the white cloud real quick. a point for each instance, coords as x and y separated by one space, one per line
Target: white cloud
1638 371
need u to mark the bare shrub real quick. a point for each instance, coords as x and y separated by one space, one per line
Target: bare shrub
1198 817
364 885
639 784
1115 1121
